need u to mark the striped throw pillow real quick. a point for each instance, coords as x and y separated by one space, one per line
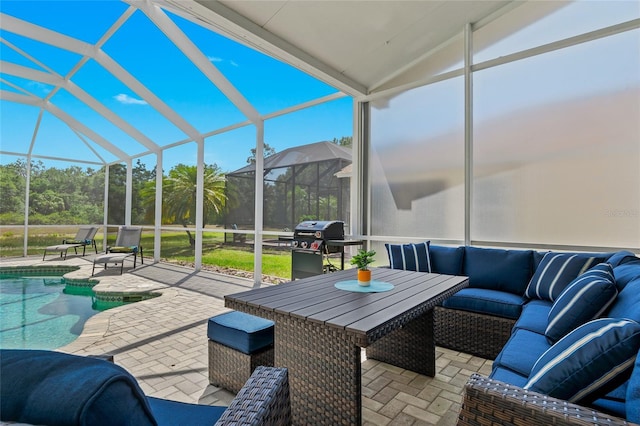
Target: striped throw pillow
588 362
584 299
555 272
410 257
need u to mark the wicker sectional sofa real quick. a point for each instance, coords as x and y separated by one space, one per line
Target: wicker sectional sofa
525 310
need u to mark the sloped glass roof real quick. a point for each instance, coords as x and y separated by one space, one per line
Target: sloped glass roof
102 81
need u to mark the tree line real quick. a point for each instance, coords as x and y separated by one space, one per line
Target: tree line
74 195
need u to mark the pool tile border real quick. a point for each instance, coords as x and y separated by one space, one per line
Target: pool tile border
34 270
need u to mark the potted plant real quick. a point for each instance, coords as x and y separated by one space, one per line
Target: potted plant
362 260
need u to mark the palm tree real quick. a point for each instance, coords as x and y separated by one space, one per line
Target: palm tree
179 195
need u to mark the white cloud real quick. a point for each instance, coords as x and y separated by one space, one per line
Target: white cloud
43 88
217 59
128 100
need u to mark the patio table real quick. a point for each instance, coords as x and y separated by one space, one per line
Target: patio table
319 330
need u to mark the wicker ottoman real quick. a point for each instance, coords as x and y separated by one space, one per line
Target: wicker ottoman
238 343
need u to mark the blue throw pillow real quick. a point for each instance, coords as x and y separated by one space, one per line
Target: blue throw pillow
410 257
498 269
588 362
585 298
555 272
446 260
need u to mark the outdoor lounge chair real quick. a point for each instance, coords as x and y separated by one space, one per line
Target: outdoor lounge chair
84 237
47 387
127 244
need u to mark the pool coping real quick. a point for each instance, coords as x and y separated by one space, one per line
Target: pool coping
122 288
107 288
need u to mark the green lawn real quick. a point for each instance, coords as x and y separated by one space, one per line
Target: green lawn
174 246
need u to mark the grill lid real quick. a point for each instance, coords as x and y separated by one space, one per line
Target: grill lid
320 229
316 225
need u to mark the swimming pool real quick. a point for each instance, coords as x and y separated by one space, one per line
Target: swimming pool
36 312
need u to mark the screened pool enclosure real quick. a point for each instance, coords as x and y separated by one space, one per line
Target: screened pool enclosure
494 123
300 183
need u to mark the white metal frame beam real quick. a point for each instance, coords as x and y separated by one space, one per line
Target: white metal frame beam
78 126
61 41
237 27
66 118
195 55
259 205
79 93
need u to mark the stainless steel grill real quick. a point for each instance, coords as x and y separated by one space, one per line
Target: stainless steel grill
313 235
311 242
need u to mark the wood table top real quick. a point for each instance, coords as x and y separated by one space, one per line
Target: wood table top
359 314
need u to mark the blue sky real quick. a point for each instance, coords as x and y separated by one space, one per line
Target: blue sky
269 85
152 59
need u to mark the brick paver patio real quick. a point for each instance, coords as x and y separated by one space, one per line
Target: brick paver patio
163 343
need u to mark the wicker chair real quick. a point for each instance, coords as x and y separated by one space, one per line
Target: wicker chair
490 402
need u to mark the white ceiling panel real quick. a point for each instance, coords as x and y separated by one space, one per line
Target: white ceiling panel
366 41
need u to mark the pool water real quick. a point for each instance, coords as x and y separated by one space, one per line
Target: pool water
36 313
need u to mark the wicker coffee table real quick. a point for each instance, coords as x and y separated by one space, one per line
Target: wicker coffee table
320 329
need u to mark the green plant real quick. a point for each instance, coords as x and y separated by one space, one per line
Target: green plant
363 259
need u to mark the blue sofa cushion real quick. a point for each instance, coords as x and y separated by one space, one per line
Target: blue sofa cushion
446 260
587 363
174 413
612 406
409 257
626 271
585 298
614 402
54 388
556 271
627 304
633 394
621 257
484 301
243 332
508 376
497 269
521 351
534 316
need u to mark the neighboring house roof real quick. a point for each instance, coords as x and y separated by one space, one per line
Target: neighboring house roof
304 154
345 172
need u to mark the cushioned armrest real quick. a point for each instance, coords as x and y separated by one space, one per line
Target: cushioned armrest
117 249
76 241
263 400
487 401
